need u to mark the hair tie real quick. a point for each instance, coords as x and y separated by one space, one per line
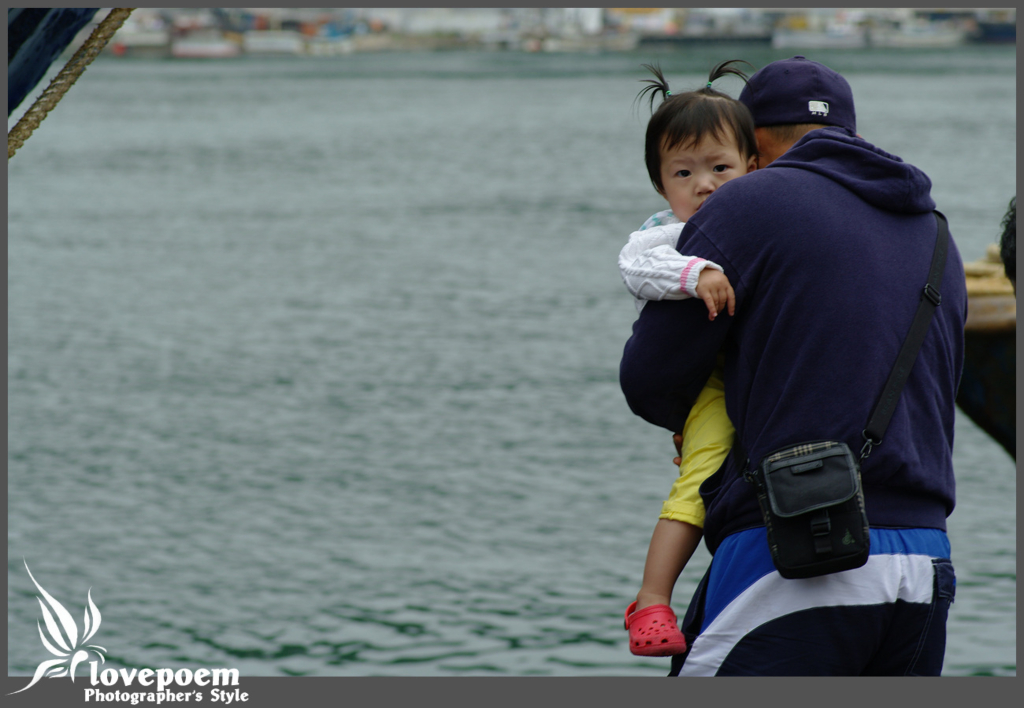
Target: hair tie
667 94
709 84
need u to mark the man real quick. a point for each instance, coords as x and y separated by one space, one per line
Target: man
828 248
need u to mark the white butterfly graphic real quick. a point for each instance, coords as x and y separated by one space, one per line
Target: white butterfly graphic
65 645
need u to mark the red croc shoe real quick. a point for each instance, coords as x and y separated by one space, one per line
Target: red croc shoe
654 631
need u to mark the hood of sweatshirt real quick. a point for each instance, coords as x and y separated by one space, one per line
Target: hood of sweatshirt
882 180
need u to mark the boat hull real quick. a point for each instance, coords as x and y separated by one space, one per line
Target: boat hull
988 385
35 37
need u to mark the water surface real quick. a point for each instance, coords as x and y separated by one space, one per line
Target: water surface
313 364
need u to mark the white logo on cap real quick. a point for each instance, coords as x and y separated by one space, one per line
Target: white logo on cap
817 108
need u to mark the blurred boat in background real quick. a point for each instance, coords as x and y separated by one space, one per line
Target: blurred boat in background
917 34
995 26
143 35
208 44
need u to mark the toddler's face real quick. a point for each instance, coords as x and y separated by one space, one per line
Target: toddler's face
692 173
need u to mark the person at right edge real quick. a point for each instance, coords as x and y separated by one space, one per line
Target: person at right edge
828 249
1008 243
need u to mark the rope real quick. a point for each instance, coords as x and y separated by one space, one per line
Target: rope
66 78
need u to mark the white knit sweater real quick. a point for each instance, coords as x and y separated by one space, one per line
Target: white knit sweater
653 269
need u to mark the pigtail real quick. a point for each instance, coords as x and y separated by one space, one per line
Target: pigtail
724 69
656 84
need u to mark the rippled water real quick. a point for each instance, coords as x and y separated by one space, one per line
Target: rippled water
312 364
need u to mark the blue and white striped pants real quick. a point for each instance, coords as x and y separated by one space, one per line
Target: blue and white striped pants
887 617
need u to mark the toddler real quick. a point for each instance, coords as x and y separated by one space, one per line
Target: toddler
696 141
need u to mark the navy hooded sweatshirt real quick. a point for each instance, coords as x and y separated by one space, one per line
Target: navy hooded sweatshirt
828 250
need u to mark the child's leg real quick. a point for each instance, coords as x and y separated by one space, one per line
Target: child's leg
672 544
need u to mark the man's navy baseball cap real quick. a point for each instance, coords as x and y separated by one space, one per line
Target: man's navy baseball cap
799 90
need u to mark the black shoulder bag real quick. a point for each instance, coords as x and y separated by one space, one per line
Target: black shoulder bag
811 496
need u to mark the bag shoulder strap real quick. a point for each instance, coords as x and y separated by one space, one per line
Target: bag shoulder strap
930 299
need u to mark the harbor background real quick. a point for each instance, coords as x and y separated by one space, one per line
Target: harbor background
312 361
228 32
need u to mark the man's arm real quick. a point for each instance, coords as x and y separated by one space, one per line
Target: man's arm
668 360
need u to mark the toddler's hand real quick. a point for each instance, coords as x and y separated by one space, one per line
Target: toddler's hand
714 289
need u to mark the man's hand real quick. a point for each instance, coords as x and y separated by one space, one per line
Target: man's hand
714 289
677 439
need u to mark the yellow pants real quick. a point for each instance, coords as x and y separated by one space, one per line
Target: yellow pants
707 438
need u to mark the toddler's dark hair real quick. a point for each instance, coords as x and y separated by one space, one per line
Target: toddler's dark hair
688 118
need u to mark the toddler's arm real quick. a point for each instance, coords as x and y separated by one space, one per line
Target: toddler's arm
653 269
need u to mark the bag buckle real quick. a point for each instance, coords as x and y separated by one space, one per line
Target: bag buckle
932 294
869 443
